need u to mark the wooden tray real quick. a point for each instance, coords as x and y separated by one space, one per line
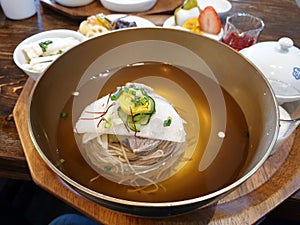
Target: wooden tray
274 182
162 6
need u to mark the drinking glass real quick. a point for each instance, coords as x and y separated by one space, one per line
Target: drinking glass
242 30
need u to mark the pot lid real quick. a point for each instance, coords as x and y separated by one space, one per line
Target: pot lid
279 61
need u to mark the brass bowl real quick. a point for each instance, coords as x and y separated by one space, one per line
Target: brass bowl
235 74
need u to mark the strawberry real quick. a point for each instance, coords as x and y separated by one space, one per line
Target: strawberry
209 21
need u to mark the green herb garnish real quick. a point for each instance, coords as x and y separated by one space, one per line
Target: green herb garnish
140 100
107 169
45 44
63 115
168 122
116 95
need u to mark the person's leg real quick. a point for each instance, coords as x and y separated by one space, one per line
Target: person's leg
72 219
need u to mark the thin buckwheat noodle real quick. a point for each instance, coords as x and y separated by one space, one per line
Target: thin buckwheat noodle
138 156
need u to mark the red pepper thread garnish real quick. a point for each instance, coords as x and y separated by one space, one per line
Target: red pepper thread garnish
101 117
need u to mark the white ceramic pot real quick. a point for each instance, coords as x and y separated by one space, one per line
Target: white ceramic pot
279 61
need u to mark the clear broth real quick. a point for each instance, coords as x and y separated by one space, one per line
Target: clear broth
181 90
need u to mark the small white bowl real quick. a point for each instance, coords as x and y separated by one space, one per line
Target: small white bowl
170 23
222 7
20 58
128 6
74 3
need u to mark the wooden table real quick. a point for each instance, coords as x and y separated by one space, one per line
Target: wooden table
276 181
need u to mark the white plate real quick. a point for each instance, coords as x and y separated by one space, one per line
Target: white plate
128 5
170 23
140 22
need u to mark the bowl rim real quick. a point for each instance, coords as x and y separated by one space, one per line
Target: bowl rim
179 203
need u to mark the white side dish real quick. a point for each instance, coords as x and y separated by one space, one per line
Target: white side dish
40 54
30 57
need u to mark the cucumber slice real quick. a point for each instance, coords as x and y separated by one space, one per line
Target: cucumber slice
134 126
135 122
142 119
123 116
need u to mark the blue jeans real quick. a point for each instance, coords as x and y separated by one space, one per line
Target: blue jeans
72 219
